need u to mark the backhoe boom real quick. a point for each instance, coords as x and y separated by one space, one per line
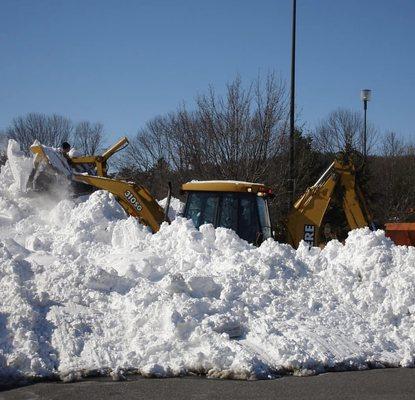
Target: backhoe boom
305 221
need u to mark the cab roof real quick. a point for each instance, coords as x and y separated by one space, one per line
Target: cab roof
226 186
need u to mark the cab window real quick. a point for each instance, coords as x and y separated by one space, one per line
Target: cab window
248 219
245 213
202 208
229 212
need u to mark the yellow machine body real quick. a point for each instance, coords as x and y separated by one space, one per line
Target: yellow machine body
227 186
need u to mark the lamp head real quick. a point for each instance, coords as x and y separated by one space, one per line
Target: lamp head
366 94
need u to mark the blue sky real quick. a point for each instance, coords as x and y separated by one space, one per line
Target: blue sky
124 62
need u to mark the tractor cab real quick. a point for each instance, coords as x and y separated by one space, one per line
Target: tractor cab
240 206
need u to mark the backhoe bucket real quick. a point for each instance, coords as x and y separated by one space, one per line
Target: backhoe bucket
402 233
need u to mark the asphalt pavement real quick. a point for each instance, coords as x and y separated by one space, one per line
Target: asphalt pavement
377 384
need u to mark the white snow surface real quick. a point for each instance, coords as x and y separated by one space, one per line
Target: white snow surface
84 288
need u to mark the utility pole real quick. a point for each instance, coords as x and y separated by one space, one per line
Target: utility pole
292 105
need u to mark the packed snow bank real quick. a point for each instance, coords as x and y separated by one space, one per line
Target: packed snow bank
84 288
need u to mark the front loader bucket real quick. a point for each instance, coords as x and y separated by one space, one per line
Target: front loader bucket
402 233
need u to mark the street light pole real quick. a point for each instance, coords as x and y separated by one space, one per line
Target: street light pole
292 104
365 95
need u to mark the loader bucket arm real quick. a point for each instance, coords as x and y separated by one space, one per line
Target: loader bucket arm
100 162
135 199
305 219
97 162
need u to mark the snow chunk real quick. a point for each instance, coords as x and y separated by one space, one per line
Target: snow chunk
20 166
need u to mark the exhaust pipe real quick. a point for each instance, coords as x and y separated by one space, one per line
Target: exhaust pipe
167 206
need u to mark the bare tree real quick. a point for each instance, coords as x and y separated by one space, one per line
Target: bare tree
49 130
88 137
392 146
240 135
342 130
235 133
393 179
242 132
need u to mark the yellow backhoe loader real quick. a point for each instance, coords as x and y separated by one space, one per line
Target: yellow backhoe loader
241 206
333 205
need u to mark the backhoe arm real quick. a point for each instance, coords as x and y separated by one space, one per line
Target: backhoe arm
136 200
354 203
306 217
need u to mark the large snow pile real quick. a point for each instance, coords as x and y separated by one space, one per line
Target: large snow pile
84 288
